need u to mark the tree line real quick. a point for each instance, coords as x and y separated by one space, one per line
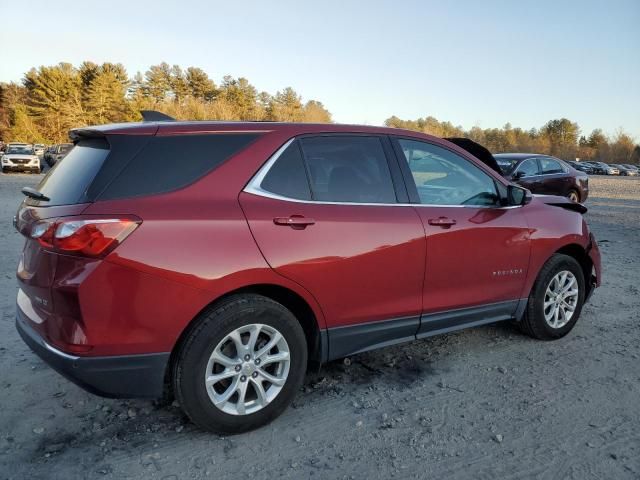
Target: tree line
561 138
51 100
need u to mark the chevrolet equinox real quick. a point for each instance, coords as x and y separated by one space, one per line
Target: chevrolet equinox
218 261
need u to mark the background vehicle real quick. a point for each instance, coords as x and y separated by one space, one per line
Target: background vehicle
39 149
607 169
632 167
225 277
624 170
55 153
20 157
597 169
582 167
545 175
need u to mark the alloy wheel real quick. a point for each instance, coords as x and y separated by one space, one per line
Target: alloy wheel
561 299
247 369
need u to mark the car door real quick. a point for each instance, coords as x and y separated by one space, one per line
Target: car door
324 211
477 249
554 177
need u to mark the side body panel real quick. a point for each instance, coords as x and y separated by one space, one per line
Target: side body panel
362 263
482 259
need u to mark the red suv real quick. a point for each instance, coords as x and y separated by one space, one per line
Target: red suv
220 261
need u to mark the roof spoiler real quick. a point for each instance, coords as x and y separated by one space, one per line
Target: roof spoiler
155 116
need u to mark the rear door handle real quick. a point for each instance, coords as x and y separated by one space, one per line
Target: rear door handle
443 222
297 222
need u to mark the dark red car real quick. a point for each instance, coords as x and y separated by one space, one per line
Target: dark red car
221 260
543 174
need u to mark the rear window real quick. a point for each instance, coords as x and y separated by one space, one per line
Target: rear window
168 163
67 182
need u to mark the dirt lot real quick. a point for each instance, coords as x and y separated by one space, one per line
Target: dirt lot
483 403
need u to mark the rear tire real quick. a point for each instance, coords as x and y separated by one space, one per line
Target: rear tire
222 344
540 319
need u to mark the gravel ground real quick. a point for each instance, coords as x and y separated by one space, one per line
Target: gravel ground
482 403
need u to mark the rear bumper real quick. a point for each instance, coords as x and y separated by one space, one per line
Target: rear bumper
123 376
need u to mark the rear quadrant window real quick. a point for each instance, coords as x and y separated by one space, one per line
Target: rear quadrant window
287 176
351 169
168 163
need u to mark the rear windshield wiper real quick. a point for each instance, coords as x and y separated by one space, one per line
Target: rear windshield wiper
36 195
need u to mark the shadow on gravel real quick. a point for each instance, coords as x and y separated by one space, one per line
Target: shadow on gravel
402 366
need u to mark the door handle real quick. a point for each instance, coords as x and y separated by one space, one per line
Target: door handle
297 222
443 222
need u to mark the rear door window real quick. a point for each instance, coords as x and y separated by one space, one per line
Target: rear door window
345 168
67 182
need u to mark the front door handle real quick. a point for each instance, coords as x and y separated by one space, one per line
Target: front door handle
444 222
297 222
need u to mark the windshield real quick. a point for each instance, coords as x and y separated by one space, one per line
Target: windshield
506 164
20 150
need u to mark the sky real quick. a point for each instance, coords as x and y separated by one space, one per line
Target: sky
481 63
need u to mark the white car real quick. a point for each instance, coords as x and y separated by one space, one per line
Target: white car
20 157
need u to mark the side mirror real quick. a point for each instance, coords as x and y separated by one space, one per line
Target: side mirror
517 195
518 175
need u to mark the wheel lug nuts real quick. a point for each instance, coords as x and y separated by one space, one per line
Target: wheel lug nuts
238 368
257 361
254 374
247 357
243 378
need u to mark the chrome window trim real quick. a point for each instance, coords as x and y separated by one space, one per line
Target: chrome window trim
254 187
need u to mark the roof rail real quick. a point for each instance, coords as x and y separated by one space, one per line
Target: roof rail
154 116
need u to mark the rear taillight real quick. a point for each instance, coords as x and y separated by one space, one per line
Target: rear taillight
85 237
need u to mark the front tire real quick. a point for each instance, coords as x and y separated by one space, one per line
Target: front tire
556 299
573 196
241 365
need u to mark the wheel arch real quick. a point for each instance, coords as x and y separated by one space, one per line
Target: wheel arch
315 335
572 249
580 254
